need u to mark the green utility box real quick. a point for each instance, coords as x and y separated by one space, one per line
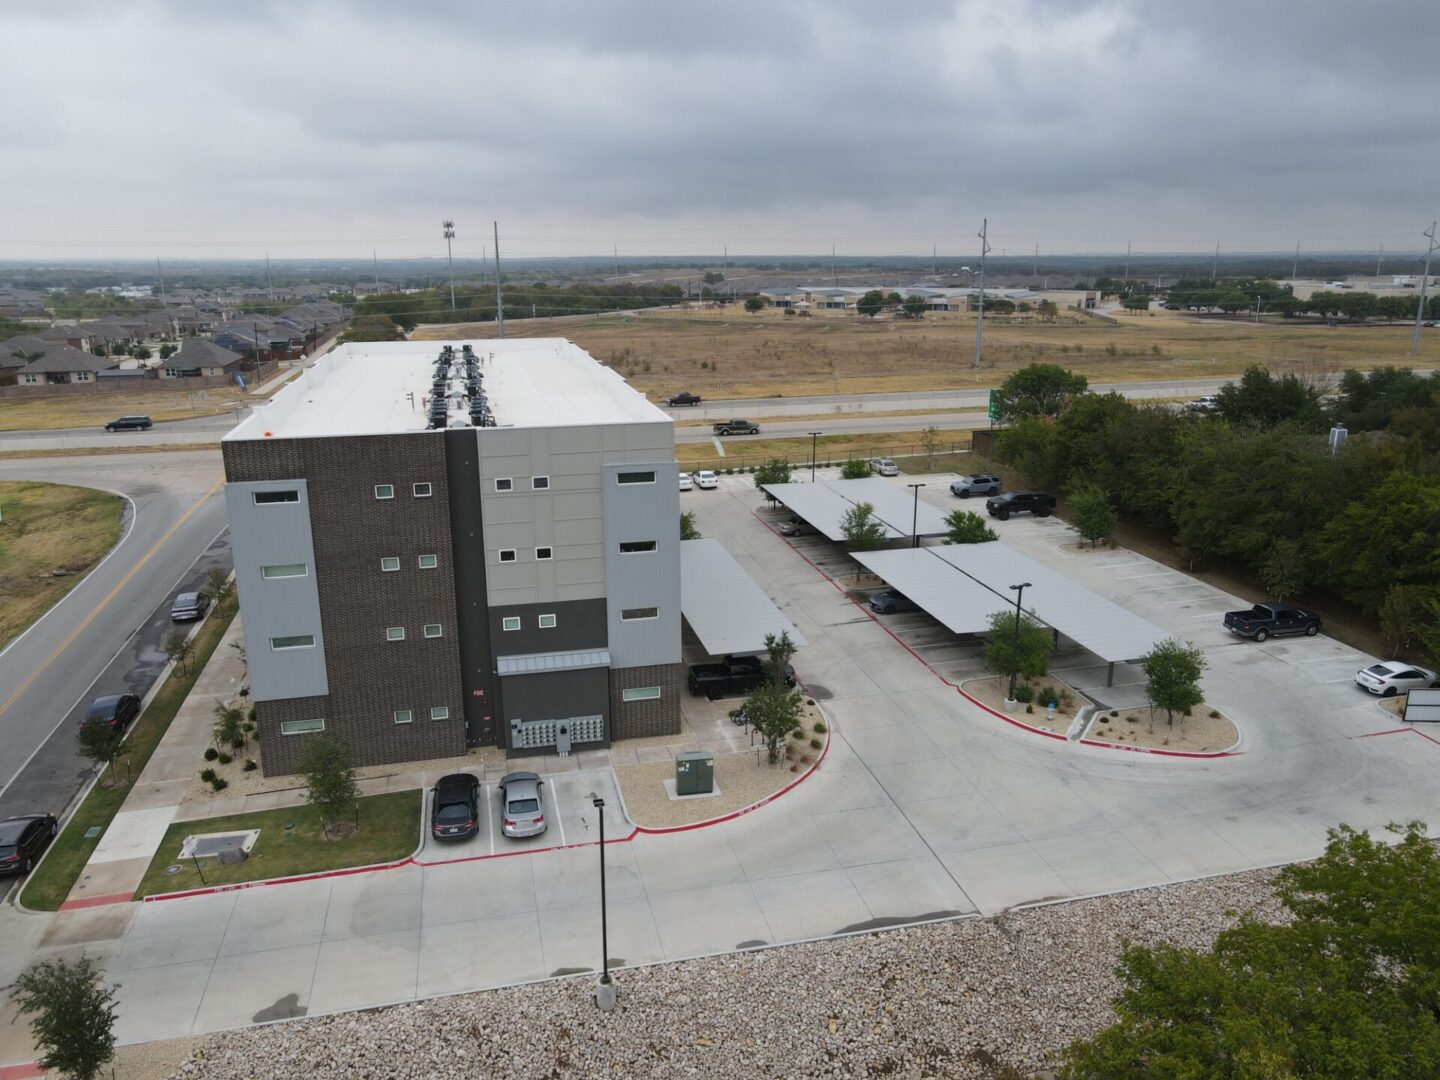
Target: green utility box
694 772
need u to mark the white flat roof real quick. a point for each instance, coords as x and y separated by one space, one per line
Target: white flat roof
825 503
727 610
377 388
959 602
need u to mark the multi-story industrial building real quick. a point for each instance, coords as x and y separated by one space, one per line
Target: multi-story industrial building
441 549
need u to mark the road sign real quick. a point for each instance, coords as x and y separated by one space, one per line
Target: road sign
992 409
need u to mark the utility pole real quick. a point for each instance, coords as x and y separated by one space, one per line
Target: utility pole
163 301
933 249
725 259
1295 270
449 232
1424 285
1127 262
499 296
1380 258
1035 264
375 265
980 296
269 278
615 254
834 274
1215 266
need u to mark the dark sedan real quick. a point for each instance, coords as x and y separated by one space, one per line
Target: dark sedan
891 602
189 606
455 807
23 840
117 710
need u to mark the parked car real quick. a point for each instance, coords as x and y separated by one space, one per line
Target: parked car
1271 620
685 482
117 710
706 480
189 606
23 840
521 804
130 423
793 527
890 602
731 675
884 466
455 807
735 427
978 484
1207 404
1020 502
1391 677
684 398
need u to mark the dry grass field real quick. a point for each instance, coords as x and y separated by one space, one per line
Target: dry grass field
724 353
96 410
829 448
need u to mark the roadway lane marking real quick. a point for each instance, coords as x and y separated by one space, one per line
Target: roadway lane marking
70 639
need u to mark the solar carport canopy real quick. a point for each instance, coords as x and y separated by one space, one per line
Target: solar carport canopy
825 503
727 610
960 603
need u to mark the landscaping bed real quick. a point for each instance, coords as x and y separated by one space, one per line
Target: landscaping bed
1204 731
992 692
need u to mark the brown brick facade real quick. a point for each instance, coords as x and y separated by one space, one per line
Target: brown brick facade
639 719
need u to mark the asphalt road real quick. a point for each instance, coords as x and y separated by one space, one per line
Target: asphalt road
105 636
841 425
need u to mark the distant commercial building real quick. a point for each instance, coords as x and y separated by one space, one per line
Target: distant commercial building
440 553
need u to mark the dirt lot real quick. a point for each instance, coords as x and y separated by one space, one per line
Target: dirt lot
96 410
724 353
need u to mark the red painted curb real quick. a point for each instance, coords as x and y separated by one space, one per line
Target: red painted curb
20 1072
1398 731
95 901
317 876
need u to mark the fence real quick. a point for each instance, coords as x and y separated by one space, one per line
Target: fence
734 463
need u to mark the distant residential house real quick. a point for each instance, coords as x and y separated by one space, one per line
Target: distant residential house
63 364
258 341
27 346
199 357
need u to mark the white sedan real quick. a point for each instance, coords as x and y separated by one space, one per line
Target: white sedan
1391 677
685 483
706 480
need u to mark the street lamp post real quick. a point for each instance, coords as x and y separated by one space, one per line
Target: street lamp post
915 515
605 989
1015 645
814 438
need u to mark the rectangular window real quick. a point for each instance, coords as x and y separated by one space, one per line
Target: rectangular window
641 693
267 498
300 727
420 491
394 633
544 553
432 629
294 641
539 483
547 622
633 613
440 712
507 554
427 562
636 547
510 622
404 716
282 570
384 491
504 483
635 478
389 563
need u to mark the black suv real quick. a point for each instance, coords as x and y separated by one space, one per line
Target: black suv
1016 502
455 807
117 710
130 423
23 840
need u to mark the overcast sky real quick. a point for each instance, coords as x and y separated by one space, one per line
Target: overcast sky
305 129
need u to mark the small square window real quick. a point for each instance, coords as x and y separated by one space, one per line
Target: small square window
440 712
420 491
504 483
384 491
539 483
427 562
432 629
547 622
395 633
404 716
544 553
507 554
389 563
510 622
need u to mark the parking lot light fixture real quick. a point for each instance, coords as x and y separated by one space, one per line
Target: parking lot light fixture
915 515
605 989
814 438
1015 647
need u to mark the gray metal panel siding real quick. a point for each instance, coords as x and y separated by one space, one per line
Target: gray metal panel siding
270 535
643 512
555 696
481 692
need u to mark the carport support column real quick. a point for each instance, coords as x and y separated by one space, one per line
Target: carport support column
1110 675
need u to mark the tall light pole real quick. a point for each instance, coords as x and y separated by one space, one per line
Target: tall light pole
1015 645
915 515
1424 284
449 233
814 438
499 295
605 989
980 320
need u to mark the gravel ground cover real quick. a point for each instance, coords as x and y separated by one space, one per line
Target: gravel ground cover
992 691
1199 732
969 998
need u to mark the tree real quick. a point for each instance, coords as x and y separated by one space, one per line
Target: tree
141 352
1345 986
1404 615
779 651
915 307
1385 539
220 587
932 443
1047 309
1030 657
180 649
72 1015
374 328
1173 669
774 711
863 530
855 469
712 277
871 303
1261 400
329 777
774 471
101 743
967 527
688 531
167 351
753 304
1136 302
1039 390
1283 571
1092 514
228 731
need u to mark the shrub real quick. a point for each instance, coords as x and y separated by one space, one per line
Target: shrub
250 765
219 783
237 744
816 744
1214 715
208 775
225 759
211 753
1029 708
820 728
1049 697
1114 712
1024 693
797 734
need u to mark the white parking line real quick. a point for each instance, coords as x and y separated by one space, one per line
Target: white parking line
1210 615
559 814
1182 585
1137 577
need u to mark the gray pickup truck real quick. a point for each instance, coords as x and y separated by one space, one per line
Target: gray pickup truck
735 427
1271 620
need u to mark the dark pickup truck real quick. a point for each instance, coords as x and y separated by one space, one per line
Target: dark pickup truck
1016 502
735 427
732 675
1271 620
684 398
